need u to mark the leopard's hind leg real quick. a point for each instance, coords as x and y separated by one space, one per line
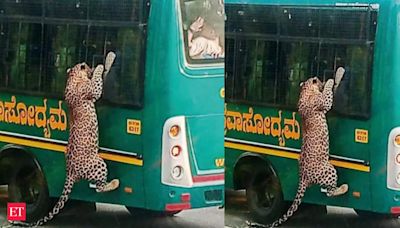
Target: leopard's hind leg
329 179
98 175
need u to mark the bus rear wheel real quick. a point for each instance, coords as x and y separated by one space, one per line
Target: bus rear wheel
139 212
264 195
27 184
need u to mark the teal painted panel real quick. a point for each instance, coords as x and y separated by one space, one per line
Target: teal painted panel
207 144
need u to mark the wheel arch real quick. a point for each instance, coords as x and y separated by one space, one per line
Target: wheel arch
241 168
24 167
10 154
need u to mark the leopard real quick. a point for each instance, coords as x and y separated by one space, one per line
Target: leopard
84 87
315 101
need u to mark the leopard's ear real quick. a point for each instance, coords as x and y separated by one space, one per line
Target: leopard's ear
68 70
301 84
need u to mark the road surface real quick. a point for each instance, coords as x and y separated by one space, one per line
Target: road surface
108 215
236 214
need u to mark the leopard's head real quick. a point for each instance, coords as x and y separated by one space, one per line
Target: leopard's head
80 72
311 85
308 89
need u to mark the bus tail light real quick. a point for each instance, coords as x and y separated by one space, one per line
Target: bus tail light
177 172
397 140
185 197
176 151
393 160
183 205
175 167
395 210
174 131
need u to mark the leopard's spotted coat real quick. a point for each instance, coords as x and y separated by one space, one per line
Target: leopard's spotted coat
315 101
83 88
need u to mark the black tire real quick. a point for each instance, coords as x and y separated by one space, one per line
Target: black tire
140 212
264 195
27 184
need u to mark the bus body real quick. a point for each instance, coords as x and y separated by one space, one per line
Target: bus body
269 54
152 87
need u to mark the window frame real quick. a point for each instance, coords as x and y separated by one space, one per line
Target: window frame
141 25
238 36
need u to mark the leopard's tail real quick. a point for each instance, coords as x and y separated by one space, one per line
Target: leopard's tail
295 205
69 183
293 208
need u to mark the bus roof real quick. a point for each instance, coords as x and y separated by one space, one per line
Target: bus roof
306 2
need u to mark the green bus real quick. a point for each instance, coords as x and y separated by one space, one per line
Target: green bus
274 45
159 103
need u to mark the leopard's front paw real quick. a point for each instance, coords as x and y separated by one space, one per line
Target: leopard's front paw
329 84
109 62
98 71
99 68
339 76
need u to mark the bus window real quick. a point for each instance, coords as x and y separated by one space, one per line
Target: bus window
256 71
123 84
20 56
63 47
203 28
352 95
21 7
125 10
34 56
336 24
299 22
297 62
309 42
252 20
67 9
229 67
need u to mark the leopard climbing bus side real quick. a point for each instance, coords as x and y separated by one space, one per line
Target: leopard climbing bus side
268 55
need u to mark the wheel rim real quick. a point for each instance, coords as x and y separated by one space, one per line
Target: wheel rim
28 185
266 191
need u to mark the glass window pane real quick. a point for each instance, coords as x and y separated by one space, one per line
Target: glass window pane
125 10
311 42
124 84
20 58
373 24
343 24
229 67
35 57
21 7
352 95
297 62
255 71
33 54
246 57
65 46
299 22
252 19
76 9
9 52
267 60
203 28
